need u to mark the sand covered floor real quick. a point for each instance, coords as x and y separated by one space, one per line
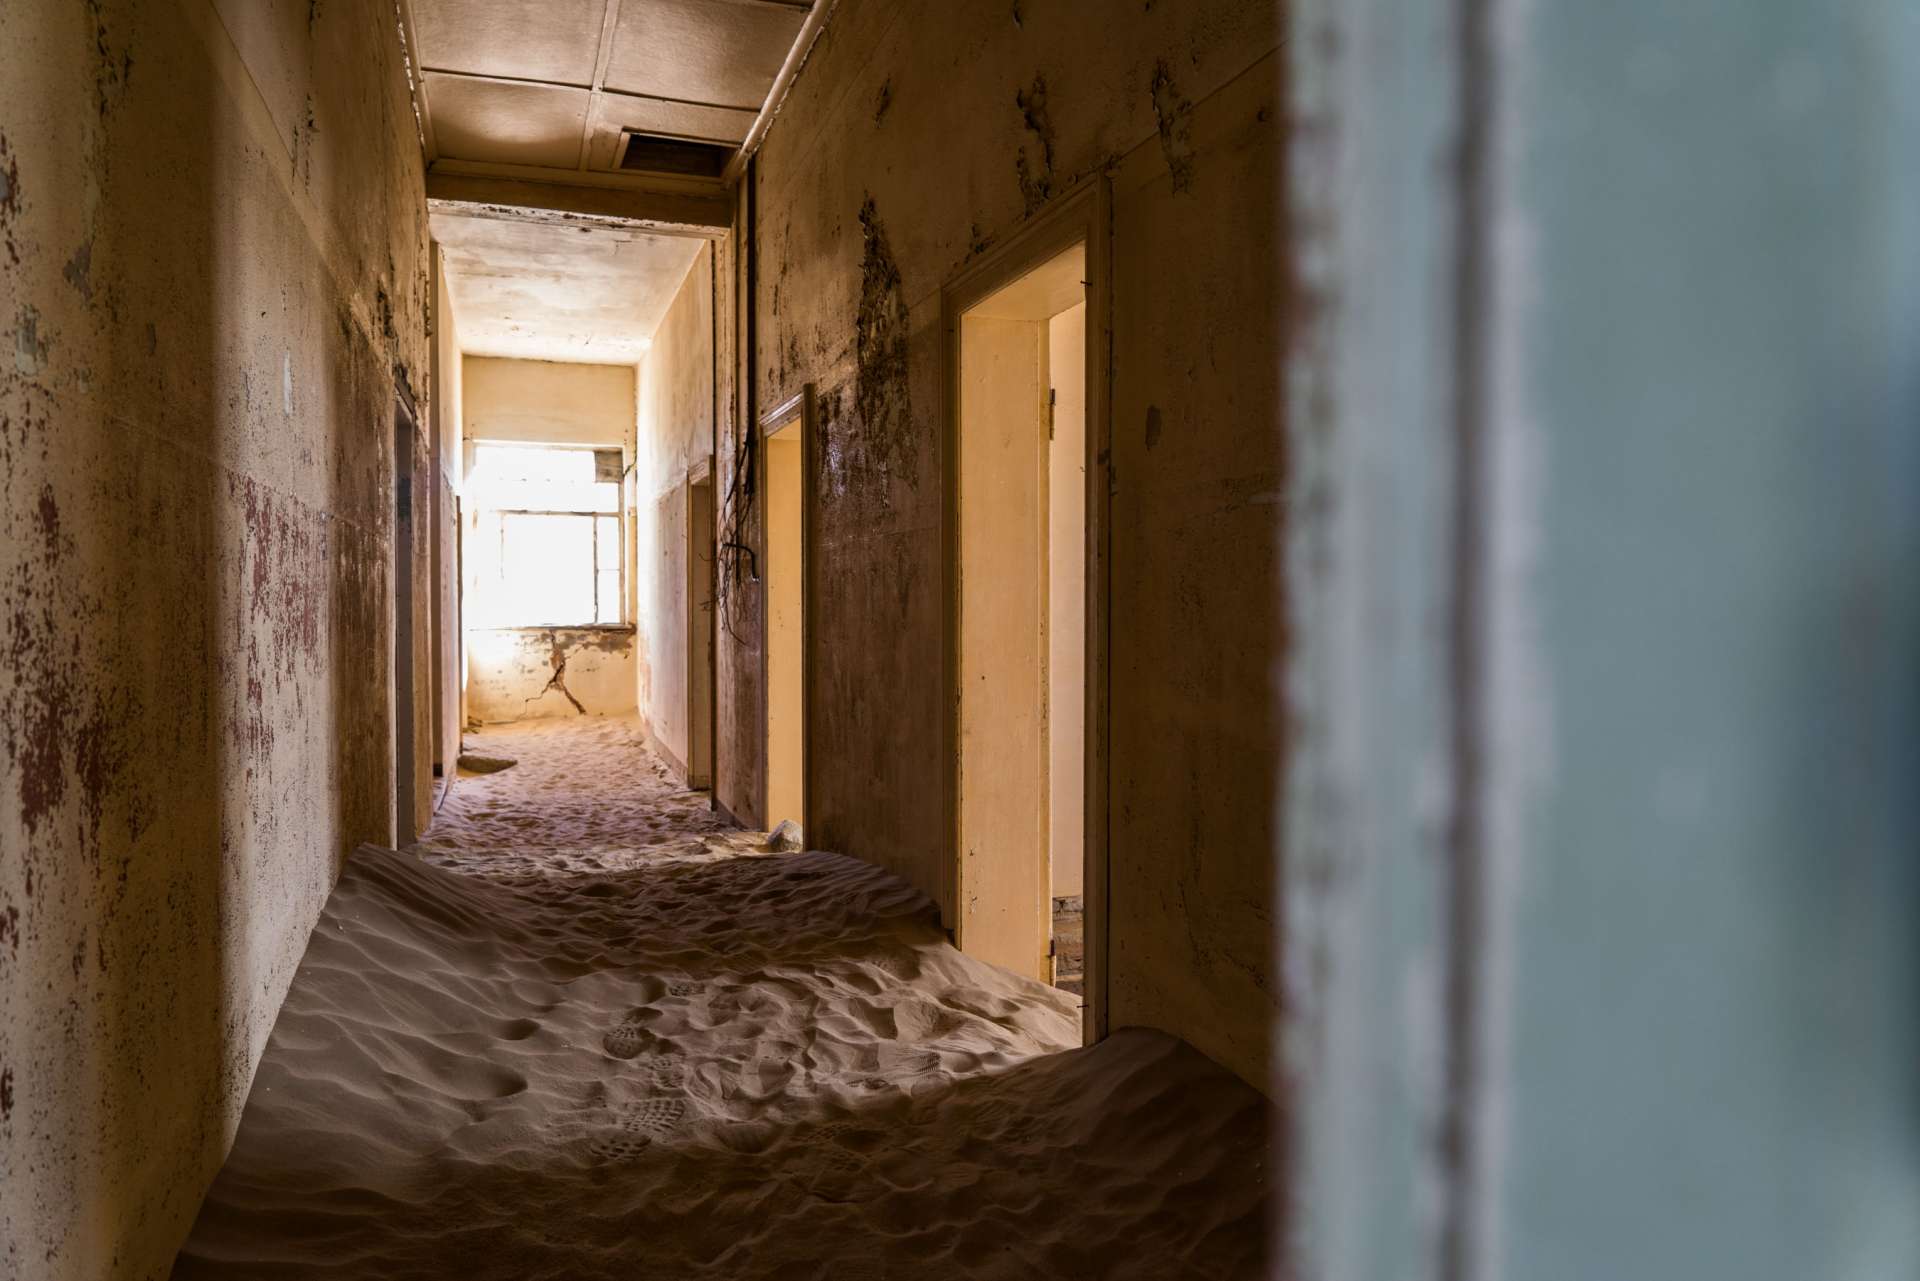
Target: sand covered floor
586 1030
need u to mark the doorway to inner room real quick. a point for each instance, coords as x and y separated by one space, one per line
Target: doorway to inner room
405 823
700 627
1026 642
783 444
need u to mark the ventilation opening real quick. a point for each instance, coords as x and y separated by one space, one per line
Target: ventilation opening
675 155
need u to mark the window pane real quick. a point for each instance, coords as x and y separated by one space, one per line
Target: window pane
531 478
609 596
546 570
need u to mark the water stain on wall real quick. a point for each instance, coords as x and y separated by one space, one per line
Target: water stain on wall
878 444
1036 179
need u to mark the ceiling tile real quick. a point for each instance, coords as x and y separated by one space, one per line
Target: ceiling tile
524 39
507 123
721 52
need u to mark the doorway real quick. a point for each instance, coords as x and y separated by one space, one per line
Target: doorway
404 819
783 475
1026 643
700 628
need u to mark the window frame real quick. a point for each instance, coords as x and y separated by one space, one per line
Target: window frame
619 516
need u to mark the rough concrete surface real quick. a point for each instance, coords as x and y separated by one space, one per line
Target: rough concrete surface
530 673
1181 104
675 434
213 275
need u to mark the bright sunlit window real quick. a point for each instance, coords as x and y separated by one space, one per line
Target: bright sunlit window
547 536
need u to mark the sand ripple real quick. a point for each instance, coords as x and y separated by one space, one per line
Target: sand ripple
585 1031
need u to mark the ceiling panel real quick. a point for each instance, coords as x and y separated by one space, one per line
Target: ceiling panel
506 122
549 292
553 40
720 52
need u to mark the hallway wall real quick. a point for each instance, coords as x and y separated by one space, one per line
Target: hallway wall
674 434
448 453
1180 104
212 273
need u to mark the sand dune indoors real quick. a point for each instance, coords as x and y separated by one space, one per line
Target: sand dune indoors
588 1031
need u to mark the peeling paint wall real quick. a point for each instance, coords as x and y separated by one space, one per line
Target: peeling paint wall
675 435
212 273
1180 102
738 738
535 672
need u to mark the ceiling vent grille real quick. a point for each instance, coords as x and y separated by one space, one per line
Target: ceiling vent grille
648 154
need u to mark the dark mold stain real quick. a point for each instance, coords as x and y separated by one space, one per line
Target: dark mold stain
1019 14
978 241
883 100
79 269
6 1093
47 517
30 349
1173 114
111 71
880 395
1036 184
1153 426
313 14
9 196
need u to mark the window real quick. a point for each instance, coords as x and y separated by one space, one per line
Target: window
548 536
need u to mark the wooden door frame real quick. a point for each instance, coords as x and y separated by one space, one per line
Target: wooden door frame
801 411
1081 215
701 473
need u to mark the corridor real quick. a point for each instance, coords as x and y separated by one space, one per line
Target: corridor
1189 640
594 1031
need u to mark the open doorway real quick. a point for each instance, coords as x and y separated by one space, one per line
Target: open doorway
1026 650
404 821
784 477
700 627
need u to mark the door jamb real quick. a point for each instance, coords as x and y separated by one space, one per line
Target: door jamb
800 412
1080 215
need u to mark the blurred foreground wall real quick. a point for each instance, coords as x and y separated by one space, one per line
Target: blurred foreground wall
1603 893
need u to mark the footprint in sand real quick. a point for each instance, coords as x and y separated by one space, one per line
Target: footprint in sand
656 1118
629 1041
619 1146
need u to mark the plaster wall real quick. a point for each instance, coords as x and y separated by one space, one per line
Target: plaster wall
449 453
212 271
529 673
675 435
546 402
1180 103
